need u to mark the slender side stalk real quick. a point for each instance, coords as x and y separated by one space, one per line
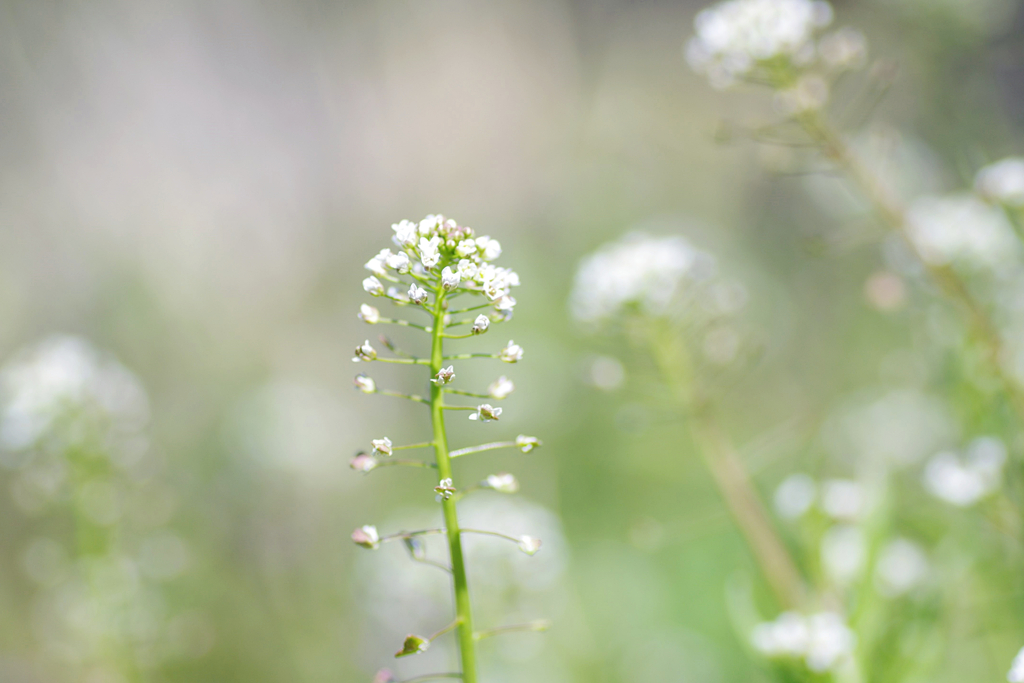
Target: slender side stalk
892 213
463 613
732 480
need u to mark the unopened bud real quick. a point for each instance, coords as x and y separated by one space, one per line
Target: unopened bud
367 537
529 544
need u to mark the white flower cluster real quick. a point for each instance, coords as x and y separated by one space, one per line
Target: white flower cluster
441 251
963 481
640 271
1016 674
65 376
960 227
822 640
736 37
1002 182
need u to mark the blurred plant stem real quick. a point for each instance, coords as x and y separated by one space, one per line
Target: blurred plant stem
892 213
463 613
727 470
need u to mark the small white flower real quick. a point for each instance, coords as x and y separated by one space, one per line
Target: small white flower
367 537
902 566
365 384
382 446
417 294
363 463
399 262
529 544
491 248
369 314
450 279
466 248
365 352
527 443
1016 674
481 324
485 413
501 388
502 483
405 233
467 269
430 224
505 304
444 489
373 286
795 496
842 499
429 254
967 480
376 264
444 376
512 353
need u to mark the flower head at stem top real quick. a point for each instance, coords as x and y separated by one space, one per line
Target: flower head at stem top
485 413
365 352
367 537
512 353
444 376
444 489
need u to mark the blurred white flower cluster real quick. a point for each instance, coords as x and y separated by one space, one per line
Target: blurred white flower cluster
964 480
961 228
767 40
1016 674
1002 182
439 250
822 640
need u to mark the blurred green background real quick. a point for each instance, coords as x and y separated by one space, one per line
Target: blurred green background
193 188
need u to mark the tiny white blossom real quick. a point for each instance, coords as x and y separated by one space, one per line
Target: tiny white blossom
467 269
902 566
822 640
795 496
963 481
444 376
842 499
1016 674
529 545
502 483
399 262
367 537
373 286
512 353
417 294
466 248
527 443
430 224
365 384
1002 182
444 489
491 248
501 387
505 304
449 279
405 233
369 314
365 352
376 264
481 324
429 254
485 413
382 446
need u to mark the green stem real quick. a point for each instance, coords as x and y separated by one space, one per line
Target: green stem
463 612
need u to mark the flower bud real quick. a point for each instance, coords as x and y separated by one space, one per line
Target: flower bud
417 294
363 463
365 384
450 279
382 446
365 352
485 413
384 676
512 352
367 537
481 324
501 387
445 489
413 645
502 483
527 443
373 286
399 262
369 314
529 544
